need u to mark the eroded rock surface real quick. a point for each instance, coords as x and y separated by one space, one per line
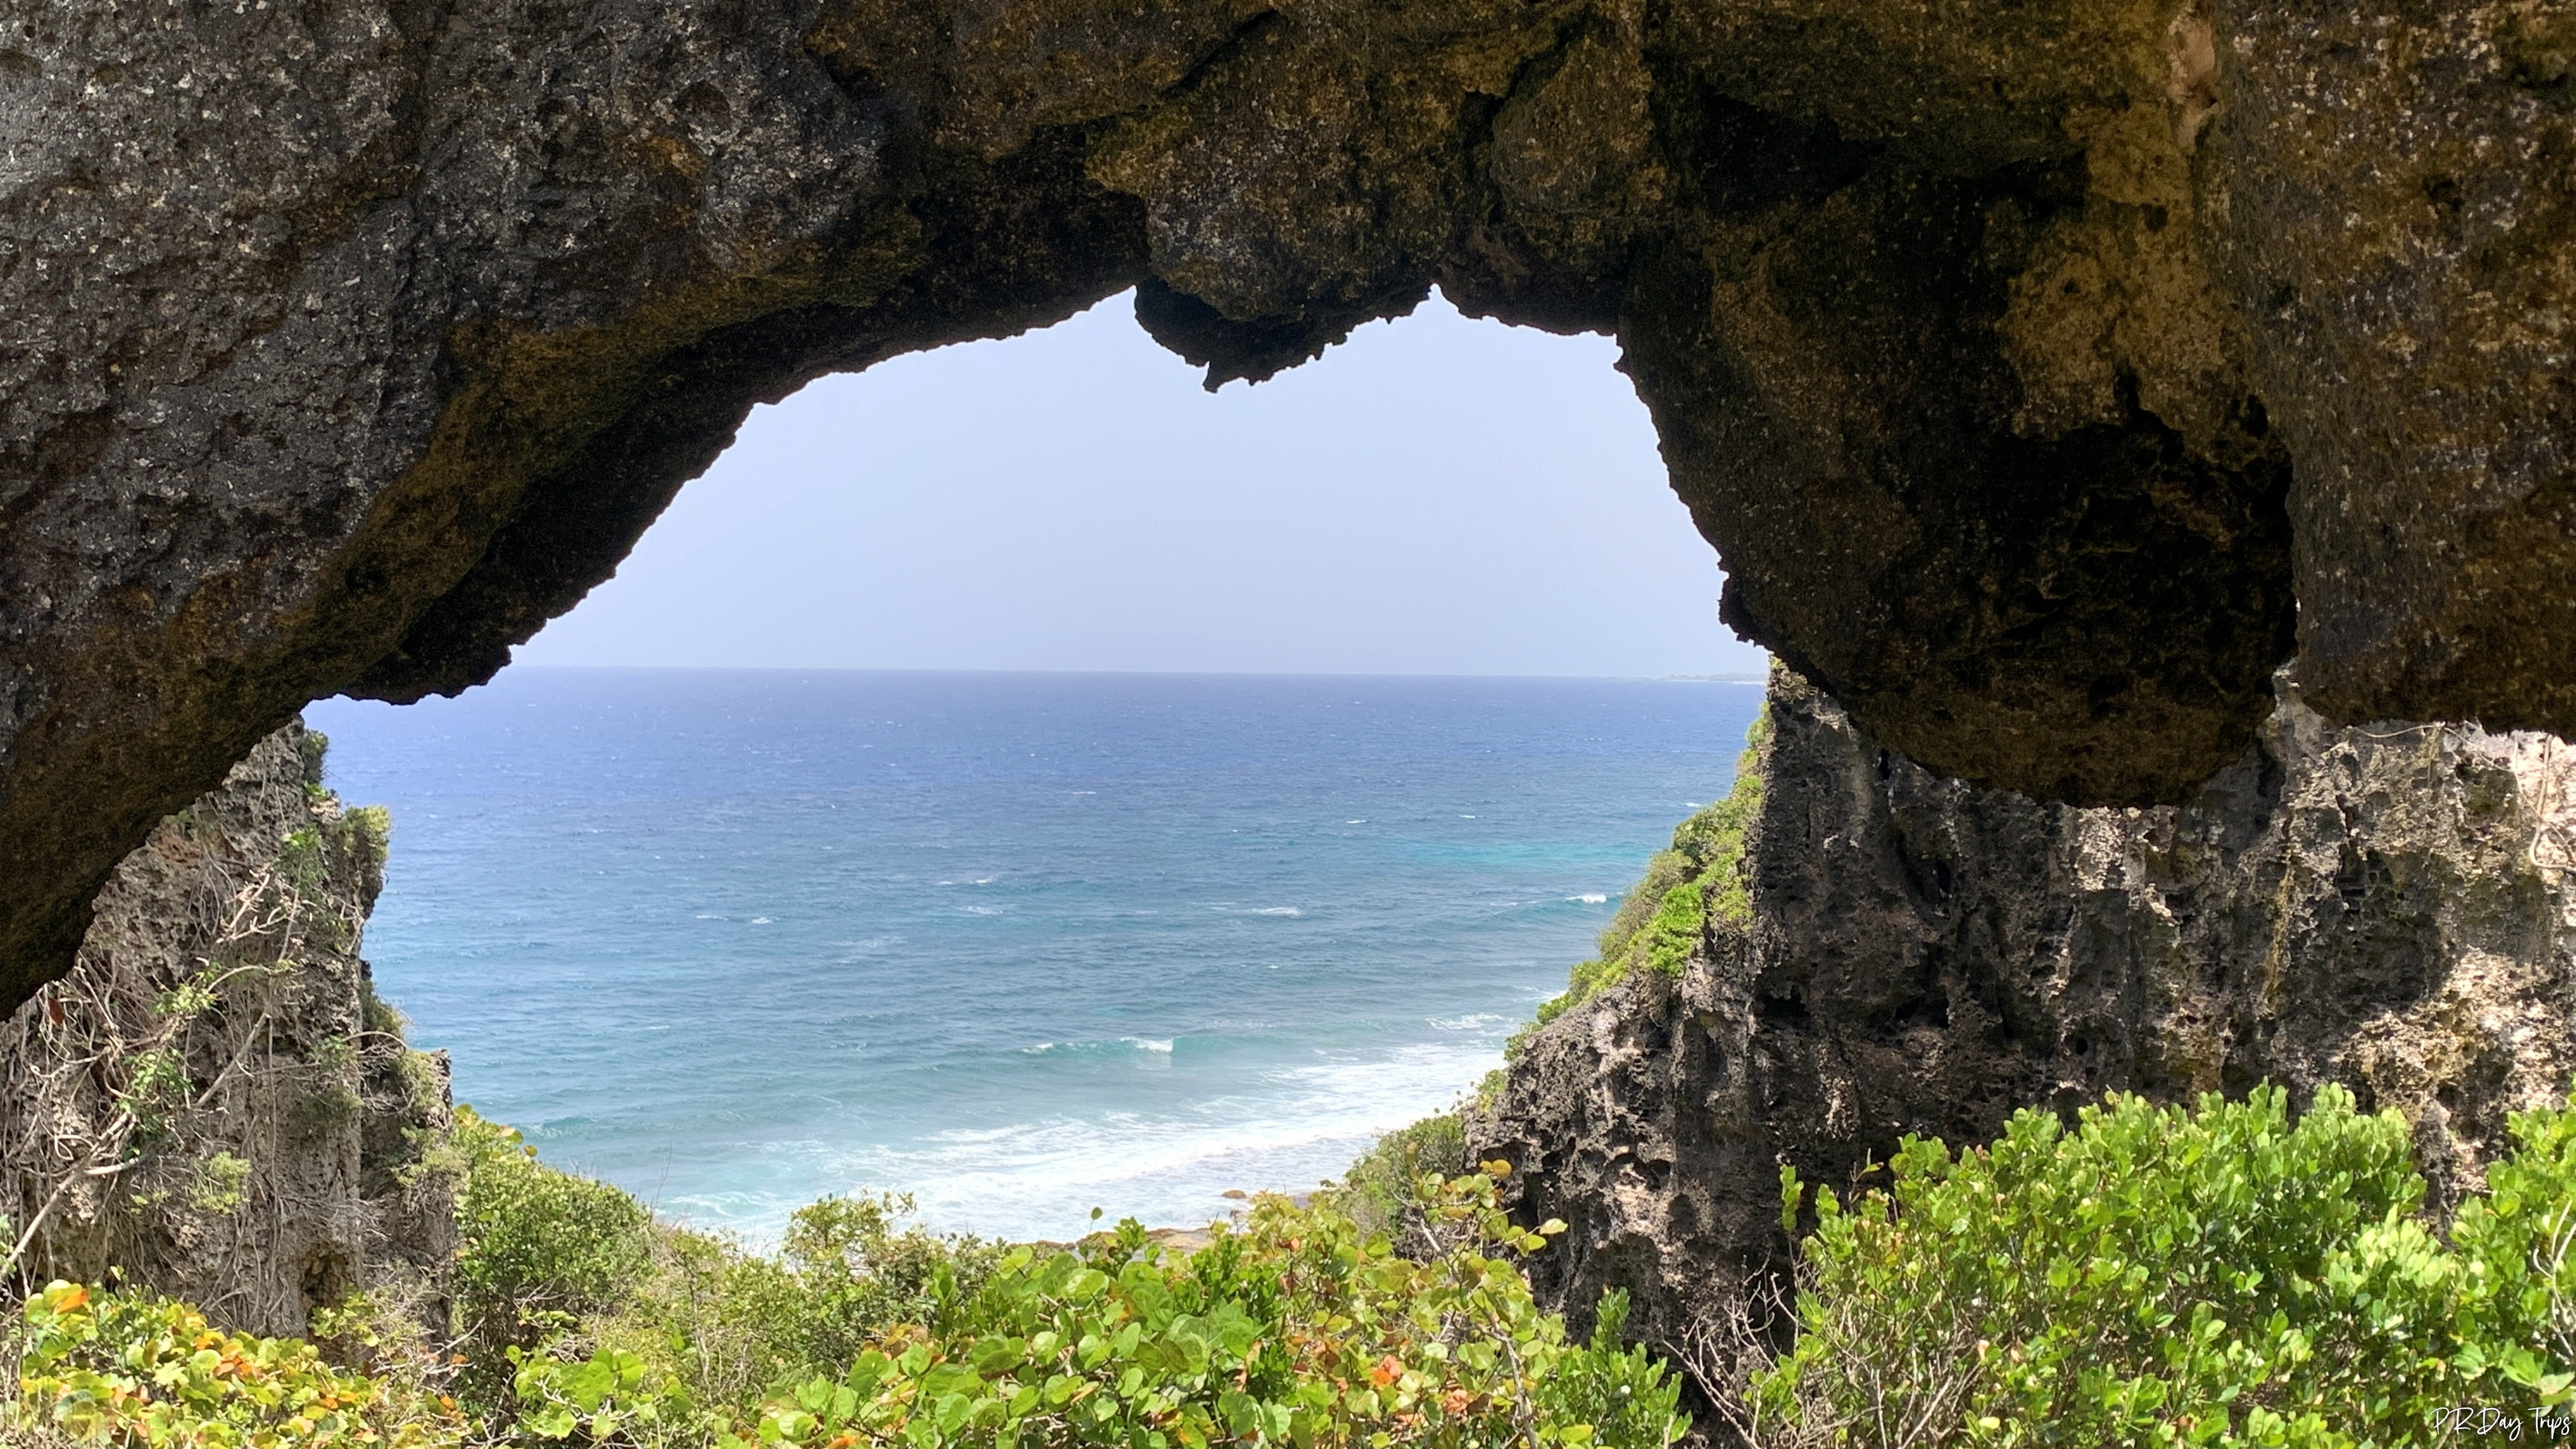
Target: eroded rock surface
2389 907
2045 373
213 1102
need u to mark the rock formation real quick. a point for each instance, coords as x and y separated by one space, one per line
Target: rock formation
2046 374
213 1102
2393 908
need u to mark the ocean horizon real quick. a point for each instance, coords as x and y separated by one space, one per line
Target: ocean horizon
1019 944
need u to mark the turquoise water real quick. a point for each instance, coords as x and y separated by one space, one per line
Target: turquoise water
1018 944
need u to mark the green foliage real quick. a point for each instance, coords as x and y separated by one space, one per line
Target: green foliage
300 858
1296 1329
190 998
1713 841
377 1016
1666 871
2516 1274
157 1087
131 1372
313 747
1673 936
713 1327
598 1399
366 832
537 1248
1379 1188
322 1112
1305 1326
1623 1392
219 1184
1664 919
2177 1276
859 1267
584 1322
2220 1275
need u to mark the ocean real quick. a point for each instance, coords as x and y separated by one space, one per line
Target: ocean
1018 944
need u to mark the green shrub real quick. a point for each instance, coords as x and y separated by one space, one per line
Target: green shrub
2173 1276
217 1186
114 1370
1673 936
709 1328
1380 1186
585 1319
859 1268
537 1248
1296 1329
2516 1248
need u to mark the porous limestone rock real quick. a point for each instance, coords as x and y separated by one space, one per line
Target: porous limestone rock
2391 907
213 1103
2044 373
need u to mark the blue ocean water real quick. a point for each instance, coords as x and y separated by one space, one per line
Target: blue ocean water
1020 944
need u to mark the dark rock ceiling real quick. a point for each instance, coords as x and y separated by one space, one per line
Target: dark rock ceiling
2045 373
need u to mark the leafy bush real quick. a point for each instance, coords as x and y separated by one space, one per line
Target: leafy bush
538 1251
594 1325
714 1327
1382 1187
2175 1276
2516 1275
107 1369
1295 1329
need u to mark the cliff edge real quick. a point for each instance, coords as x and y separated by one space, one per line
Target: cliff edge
213 1102
2392 907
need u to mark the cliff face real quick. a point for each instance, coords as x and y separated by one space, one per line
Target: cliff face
2391 907
213 1102
2047 373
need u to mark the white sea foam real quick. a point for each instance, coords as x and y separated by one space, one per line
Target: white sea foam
1277 911
1282 1129
762 921
1097 1048
1285 1131
1590 898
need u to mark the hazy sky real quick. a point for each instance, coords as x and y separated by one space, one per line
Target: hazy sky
1436 495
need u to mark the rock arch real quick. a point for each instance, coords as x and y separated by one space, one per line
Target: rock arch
2046 374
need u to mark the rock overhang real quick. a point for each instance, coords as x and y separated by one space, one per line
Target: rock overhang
2044 376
